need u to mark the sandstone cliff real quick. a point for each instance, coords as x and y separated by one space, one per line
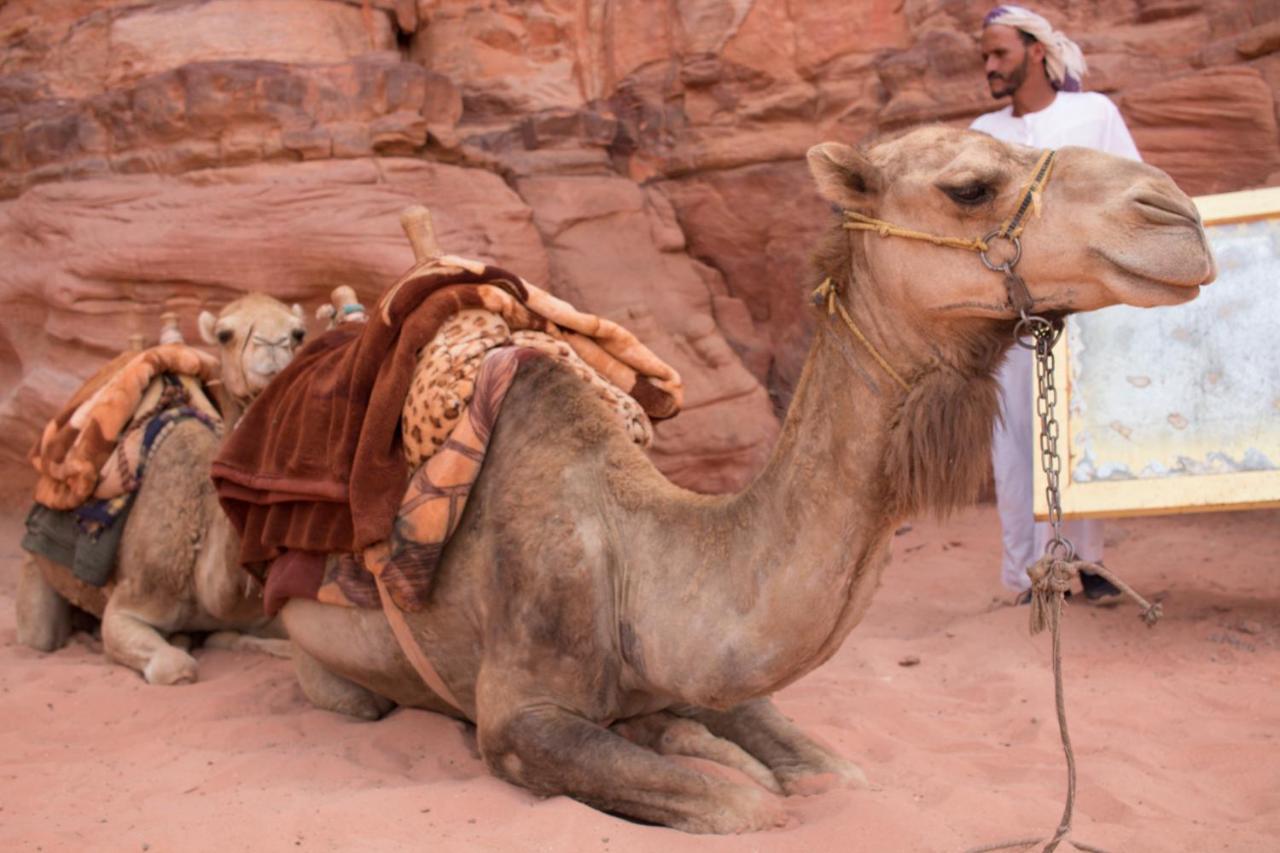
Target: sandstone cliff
644 160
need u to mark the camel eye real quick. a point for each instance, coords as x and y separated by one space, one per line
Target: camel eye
298 335
969 195
225 336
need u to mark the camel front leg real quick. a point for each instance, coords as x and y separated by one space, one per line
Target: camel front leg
43 616
801 765
330 691
236 641
130 640
553 751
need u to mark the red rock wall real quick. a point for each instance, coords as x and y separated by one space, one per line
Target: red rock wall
643 159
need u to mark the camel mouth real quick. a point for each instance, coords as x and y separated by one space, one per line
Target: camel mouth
1160 209
259 379
1139 289
1166 264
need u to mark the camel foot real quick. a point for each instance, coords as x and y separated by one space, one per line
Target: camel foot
740 809
668 734
553 750
801 765
234 641
805 782
330 691
130 638
170 665
43 616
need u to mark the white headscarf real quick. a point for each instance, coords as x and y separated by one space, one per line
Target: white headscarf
1063 59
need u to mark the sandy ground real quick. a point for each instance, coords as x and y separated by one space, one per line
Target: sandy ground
1177 728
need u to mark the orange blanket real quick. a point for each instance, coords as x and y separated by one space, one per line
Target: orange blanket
77 443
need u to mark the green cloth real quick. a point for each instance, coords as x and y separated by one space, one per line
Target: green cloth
58 536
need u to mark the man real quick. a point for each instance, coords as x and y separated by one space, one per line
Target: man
1040 70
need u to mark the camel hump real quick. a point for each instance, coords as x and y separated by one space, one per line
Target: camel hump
172 508
548 393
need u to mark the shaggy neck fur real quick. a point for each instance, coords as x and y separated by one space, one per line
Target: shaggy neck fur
937 436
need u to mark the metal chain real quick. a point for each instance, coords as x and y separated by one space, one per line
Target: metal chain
1045 334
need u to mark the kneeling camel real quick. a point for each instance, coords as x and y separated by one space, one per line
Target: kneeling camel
176 568
589 615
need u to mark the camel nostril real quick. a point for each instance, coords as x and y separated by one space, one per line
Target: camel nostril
1162 209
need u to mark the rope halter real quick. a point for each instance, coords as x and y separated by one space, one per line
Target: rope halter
1029 202
1010 229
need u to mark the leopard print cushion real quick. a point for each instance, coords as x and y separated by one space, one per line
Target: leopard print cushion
444 380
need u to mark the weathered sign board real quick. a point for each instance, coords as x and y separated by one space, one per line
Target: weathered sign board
1177 409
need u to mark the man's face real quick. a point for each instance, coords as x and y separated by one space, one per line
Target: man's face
1007 59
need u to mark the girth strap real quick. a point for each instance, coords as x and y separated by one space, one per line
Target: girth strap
413 651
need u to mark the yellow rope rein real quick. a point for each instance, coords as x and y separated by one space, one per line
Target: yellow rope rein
828 291
854 221
1031 194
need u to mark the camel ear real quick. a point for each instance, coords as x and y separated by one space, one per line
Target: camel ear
844 175
206 324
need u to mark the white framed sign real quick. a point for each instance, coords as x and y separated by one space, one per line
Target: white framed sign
1177 409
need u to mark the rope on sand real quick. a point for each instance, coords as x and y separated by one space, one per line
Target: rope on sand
1050 579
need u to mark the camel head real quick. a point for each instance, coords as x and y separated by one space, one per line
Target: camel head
1106 230
256 336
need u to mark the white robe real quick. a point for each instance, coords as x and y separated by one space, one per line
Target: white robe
1089 120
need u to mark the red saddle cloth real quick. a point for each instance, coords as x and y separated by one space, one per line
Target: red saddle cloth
315 464
428 514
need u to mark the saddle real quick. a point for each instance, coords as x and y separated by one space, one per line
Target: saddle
354 465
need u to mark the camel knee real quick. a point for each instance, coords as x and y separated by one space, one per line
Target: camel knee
529 747
130 640
325 689
170 665
43 617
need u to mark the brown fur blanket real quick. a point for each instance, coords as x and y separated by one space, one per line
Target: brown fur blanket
317 463
429 512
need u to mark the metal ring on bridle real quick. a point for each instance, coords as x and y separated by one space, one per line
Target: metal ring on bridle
1028 326
1060 548
1007 265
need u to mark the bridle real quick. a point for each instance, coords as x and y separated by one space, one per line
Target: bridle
1053 571
1010 231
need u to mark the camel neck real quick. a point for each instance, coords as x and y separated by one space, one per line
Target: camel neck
231 407
808 539
792 561
805 544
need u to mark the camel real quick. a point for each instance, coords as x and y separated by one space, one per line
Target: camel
177 567
591 618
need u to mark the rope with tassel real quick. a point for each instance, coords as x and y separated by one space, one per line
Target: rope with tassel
1051 578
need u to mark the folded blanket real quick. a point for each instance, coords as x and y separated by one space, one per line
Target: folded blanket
85 539
77 443
317 463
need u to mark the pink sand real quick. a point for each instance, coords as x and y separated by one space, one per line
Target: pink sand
1177 728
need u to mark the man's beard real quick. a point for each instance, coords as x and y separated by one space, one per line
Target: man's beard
1012 83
